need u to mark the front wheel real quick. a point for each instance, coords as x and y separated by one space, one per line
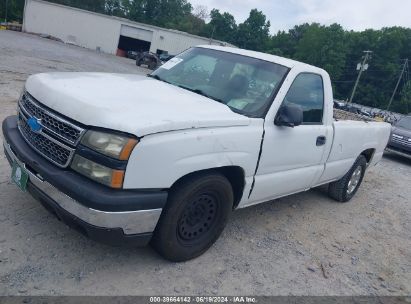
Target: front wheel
195 215
344 189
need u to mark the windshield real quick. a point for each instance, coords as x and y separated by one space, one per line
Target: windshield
246 85
405 123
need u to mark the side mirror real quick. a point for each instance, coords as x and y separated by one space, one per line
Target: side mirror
289 115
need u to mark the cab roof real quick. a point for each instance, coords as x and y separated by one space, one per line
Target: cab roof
263 56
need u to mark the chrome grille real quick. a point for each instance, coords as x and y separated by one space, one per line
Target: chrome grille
60 127
52 150
401 139
57 139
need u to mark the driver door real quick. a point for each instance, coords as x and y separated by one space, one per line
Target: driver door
292 158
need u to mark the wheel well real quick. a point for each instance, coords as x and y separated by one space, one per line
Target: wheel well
234 174
368 154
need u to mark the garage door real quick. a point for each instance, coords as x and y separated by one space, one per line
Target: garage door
136 33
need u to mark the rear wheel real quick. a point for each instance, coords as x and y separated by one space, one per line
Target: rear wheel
152 65
195 215
344 189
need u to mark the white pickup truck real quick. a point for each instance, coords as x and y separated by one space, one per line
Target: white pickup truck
165 158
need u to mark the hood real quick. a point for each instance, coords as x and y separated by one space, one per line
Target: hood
130 103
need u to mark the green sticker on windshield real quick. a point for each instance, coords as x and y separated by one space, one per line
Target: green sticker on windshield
171 63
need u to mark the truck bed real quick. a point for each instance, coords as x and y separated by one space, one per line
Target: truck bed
345 115
368 135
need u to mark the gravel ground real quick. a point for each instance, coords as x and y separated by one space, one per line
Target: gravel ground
305 244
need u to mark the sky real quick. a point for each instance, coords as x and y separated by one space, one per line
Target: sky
351 14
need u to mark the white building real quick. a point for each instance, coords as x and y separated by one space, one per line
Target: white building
105 33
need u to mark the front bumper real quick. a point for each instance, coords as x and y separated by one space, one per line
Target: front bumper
133 222
401 152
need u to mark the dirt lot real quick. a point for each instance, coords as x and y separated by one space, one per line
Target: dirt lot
305 244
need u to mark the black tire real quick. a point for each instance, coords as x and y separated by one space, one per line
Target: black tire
152 65
194 217
339 190
138 62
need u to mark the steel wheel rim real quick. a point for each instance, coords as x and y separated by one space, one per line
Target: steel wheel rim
198 218
354 180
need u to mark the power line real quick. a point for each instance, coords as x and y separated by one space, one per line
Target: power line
398 83
7 6
407 83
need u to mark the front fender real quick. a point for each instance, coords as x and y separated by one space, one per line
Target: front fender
159 160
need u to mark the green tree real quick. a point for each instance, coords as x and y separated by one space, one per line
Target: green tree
339 51
191 24
134 10
90 5
404 105
221 26
389 46
173 14
14 10
323 46
285 43
114 8
253 33
331 47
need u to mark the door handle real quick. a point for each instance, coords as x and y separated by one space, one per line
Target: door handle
321 140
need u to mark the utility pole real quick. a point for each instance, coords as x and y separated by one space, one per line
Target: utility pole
7 6
212 35
398 83
363 67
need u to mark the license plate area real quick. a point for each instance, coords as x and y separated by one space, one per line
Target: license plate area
19 176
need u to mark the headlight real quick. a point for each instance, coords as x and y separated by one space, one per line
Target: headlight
113 145
99 173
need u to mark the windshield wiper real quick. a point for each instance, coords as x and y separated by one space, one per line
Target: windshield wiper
202 93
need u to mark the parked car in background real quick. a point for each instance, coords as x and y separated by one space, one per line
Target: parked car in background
400 140
151 60
133 54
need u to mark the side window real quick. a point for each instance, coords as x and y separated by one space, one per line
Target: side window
307 91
